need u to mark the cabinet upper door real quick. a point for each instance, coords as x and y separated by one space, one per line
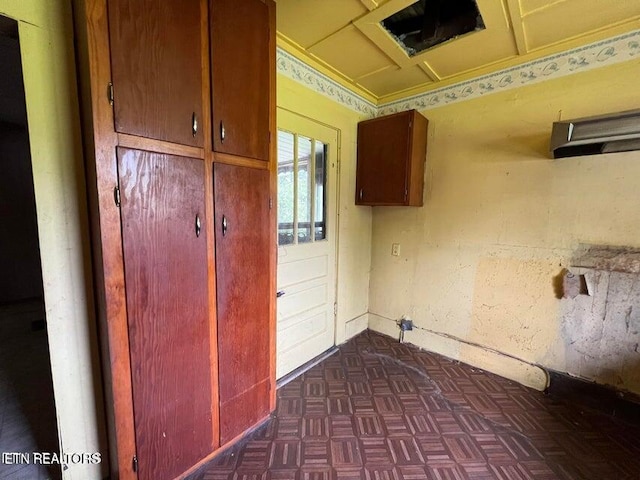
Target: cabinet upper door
240 67
383 160
156 61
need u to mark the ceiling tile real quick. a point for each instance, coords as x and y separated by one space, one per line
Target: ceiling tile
394 79
351 53
346 36
551 25
472 51
310 21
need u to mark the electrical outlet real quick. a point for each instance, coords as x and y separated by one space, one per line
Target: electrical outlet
395 249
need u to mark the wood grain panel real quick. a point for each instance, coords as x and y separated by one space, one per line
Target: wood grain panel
142 143
273 185
238 417
242 267
99 139
168 313
211 259
240 32
418 157
157 70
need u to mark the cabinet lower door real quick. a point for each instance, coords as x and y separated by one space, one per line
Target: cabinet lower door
165 260
242 285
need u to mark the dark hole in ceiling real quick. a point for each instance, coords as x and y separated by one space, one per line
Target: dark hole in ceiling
427 23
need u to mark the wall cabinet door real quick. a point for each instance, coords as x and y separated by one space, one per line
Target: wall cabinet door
243 241
165 261
156 61
391 157
240 59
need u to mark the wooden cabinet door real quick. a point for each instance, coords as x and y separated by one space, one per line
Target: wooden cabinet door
165 260
242 272
240 59
383 155
156 62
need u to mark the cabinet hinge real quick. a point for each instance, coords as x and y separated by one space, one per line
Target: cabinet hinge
134 463
110 93
270 203
406 194
116 195
335 309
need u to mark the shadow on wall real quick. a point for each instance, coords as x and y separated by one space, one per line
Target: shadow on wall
518 148
600 316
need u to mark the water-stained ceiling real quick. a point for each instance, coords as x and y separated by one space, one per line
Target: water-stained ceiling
356 40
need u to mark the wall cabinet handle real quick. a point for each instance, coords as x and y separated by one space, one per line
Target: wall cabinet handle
198 225
194 124
223 132
361 194
224 225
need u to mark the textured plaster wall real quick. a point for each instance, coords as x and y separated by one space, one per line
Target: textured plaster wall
501 220
354 223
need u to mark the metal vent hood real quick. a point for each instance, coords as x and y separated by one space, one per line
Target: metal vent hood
618 132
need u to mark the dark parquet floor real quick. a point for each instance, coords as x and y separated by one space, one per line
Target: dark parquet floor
380 410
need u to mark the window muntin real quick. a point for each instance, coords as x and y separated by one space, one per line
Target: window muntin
302 185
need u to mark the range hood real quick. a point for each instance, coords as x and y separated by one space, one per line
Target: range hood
618 132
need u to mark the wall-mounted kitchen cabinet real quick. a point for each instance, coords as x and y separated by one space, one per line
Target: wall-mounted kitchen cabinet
391 157
181 177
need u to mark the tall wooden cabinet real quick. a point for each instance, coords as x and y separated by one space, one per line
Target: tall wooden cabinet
179 123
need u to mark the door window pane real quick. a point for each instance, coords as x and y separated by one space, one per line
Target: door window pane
320 181
302 189
286 197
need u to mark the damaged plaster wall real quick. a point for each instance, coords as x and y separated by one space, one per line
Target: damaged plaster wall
601 326
501 221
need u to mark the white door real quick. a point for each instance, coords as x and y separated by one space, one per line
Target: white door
307 224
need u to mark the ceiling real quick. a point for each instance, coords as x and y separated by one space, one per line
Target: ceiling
346 38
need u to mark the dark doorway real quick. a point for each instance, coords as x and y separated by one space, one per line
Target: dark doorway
27 408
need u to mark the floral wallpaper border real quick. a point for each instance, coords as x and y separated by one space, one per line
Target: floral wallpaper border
291 67
607 52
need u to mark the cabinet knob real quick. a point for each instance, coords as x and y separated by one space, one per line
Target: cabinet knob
198 225
223 132
194 124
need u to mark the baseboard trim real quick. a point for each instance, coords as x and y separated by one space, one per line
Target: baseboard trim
606 399
282 381
485 358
